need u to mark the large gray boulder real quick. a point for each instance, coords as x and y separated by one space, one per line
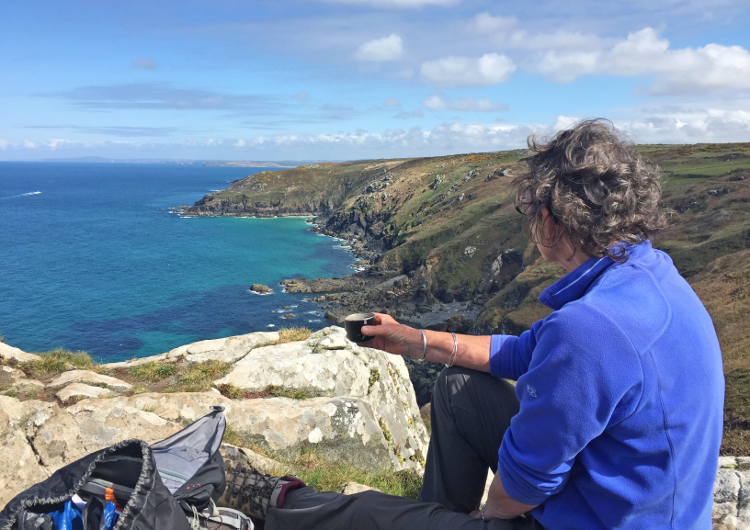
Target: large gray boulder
90 378
9 352
732 494
363 413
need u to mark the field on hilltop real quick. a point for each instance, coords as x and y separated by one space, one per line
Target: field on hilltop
444 230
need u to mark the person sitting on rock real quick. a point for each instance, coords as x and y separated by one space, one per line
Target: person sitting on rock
616 417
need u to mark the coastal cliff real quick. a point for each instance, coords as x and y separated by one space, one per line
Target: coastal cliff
443 247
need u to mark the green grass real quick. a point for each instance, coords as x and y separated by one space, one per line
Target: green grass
231 436
374 377
58 360
199 377
231 391
737 414
324 476
152 372
708 169
293 393
293 334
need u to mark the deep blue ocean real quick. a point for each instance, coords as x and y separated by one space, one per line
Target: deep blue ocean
92 258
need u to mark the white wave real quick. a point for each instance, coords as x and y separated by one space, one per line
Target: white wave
316 320
22 195
271 326
258 294
312 312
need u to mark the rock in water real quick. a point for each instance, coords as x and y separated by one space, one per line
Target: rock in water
260 288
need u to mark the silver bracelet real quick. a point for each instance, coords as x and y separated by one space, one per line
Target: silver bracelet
424 345
481 513
453 351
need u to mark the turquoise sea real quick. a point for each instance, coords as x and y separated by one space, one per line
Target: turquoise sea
92 258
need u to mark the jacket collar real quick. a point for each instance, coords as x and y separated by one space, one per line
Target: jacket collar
574 285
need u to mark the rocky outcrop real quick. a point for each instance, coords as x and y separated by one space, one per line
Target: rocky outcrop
9 352
353 406
732 494
260 288
360 410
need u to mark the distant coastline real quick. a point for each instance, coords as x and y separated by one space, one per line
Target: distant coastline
281 164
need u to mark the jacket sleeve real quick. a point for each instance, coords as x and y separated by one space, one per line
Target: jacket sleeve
583 374
510 355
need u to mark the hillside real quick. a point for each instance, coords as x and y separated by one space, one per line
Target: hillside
445 248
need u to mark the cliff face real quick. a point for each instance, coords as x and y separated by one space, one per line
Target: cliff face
445 231
444 248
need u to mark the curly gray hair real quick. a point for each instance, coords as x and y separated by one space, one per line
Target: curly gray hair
595 185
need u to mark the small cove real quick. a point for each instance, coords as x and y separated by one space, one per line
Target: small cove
94 259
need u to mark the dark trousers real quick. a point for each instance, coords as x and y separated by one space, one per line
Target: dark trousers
470 412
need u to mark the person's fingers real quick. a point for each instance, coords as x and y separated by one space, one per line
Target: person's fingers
382 318
380 331
476 514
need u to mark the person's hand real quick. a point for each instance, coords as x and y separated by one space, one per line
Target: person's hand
392 337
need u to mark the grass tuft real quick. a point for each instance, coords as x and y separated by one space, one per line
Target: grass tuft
231 436
152 371
231 391
293 334
736 414
199 377
282 391
58 360
324 476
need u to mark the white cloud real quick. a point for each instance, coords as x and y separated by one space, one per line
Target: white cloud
489 69
301 96
564 122
147 64
404 115
560 39
711 68
437 102
486 23
696 122
391 102
388 48
690 125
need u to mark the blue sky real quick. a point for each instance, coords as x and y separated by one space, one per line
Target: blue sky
352 79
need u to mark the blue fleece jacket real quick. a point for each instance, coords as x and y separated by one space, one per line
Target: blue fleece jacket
622 391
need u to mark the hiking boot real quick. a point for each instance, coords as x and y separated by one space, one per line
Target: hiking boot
251 492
